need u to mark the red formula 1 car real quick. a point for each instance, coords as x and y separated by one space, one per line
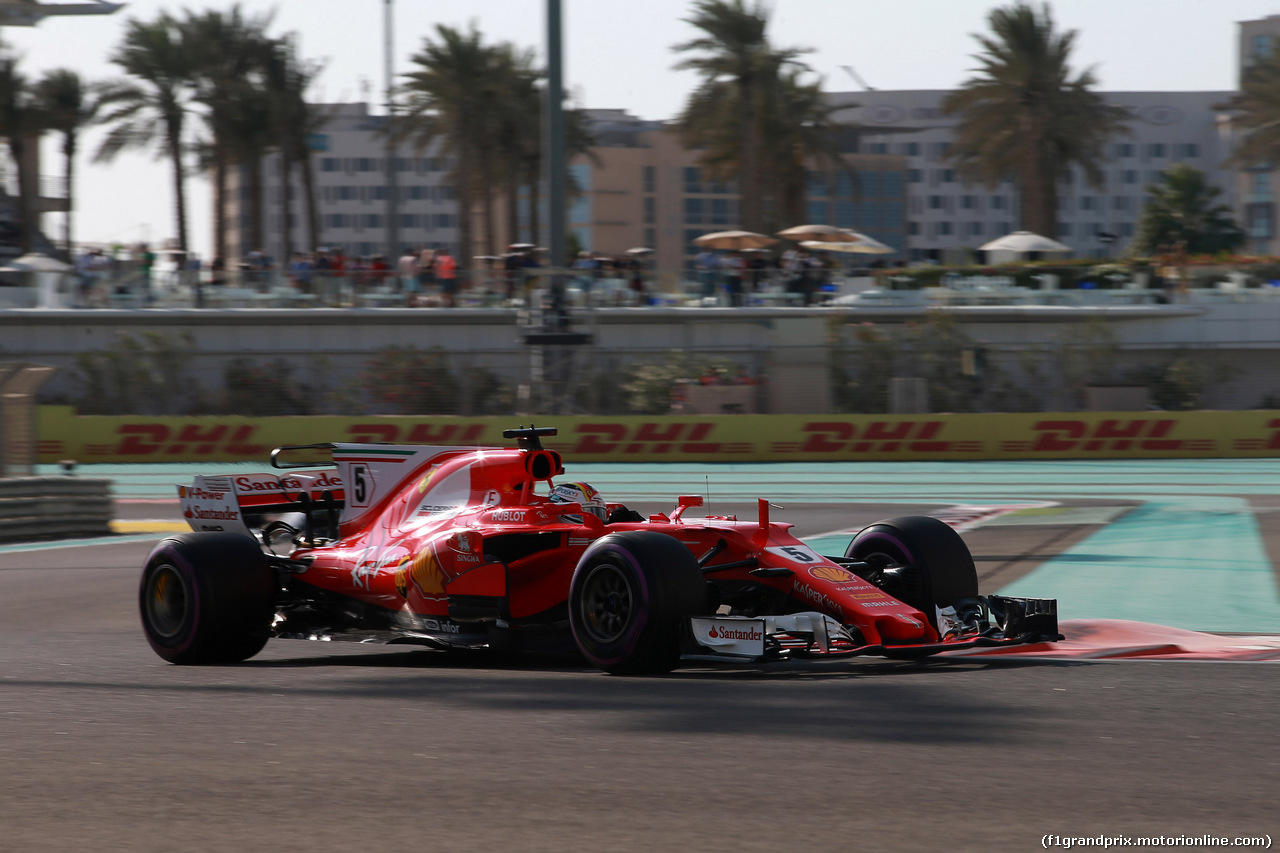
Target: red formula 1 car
478 547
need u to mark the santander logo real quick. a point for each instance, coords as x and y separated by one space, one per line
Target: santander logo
727 633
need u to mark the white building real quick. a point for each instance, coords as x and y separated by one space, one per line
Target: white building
350 168
946 217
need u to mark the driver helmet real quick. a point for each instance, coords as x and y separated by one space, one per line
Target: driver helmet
580 493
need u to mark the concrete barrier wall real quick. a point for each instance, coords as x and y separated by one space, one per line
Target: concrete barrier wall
54 507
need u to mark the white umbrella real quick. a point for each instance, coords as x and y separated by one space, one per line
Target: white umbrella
819 233
47 274
864 246
734 240
640 250
1024 241
35 262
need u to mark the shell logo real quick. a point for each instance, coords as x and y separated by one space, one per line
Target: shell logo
832 574
426 573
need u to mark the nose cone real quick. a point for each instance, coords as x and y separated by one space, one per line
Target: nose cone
900 628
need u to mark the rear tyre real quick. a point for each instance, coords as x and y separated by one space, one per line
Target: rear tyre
207 598
628 600
936 567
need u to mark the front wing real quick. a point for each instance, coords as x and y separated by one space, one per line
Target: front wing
1006 621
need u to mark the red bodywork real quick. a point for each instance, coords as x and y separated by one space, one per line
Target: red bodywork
429 537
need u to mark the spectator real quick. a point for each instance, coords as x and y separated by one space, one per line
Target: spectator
407 272
379 271
733 267
706 263
446 271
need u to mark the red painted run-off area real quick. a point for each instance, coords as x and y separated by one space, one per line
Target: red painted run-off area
1119 639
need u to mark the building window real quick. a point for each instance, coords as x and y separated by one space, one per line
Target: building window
692 179
693 214
1130 176
719 211
968 202
1156 150
650 238
1124 149
944 229
975 229
330 164
1120 202
948 176
997 202
1261 46
647 178
878 148
915 176
1064 229
913 228
650 210
1086 202
691 234
1260 189
935 202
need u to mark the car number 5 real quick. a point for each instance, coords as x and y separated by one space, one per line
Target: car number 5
797 553
361 485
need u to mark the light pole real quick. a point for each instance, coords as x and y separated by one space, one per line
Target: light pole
393 236
556 172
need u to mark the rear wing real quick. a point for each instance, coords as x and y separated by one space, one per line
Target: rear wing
244 503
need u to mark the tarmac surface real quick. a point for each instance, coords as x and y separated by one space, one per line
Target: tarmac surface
313 746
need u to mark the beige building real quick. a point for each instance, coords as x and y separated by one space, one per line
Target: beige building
640 188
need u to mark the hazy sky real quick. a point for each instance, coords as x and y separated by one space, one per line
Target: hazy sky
618 55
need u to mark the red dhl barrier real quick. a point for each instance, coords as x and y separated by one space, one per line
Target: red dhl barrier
720 438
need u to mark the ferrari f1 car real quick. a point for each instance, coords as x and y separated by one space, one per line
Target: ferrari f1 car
458 548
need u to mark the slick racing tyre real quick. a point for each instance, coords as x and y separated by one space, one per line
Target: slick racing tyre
936 567
628 600
207 598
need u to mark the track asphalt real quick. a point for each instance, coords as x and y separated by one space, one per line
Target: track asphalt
1191 544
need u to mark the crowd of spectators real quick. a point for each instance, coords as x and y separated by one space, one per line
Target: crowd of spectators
425 276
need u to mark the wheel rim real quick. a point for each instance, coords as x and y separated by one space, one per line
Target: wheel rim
166 601
607 603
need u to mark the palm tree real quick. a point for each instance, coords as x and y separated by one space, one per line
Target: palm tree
738 66
799 131
517 127
1025 116
21 122
228 55
1183 209
69 105
452 98
293 122
154 109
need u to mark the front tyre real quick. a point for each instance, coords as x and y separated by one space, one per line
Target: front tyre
207 598
933 566
629 597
